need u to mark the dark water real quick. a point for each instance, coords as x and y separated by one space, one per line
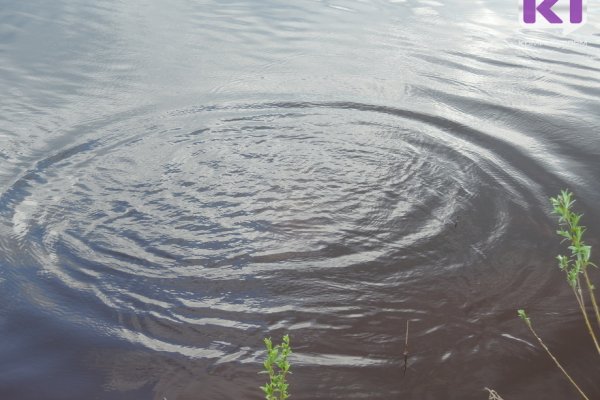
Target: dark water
180 180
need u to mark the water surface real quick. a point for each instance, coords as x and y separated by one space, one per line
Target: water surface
178 181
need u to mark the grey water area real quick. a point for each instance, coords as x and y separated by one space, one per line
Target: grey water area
179 180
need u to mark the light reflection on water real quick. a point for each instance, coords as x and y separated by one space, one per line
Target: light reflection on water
179 181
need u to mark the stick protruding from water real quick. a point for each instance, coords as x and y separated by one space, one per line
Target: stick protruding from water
406 348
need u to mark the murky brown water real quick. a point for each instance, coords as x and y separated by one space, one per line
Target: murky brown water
180 180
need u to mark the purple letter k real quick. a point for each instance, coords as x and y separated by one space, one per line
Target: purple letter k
545 8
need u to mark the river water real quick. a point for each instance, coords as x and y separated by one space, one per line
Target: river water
180 179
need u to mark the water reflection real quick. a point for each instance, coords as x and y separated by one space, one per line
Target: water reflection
179 181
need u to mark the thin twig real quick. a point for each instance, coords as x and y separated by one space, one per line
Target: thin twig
591 289
528 322
406 349
581 302
493 394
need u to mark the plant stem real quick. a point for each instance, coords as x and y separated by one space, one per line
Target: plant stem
591 289
555 360
580 300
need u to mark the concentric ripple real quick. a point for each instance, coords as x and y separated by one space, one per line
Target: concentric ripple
180 225
179 180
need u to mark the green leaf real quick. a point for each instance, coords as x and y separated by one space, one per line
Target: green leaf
523 315
572 277
586 252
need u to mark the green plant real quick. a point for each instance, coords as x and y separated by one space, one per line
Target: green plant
575 266
278 367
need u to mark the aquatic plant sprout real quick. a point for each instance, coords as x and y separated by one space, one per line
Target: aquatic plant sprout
278 367
575 266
